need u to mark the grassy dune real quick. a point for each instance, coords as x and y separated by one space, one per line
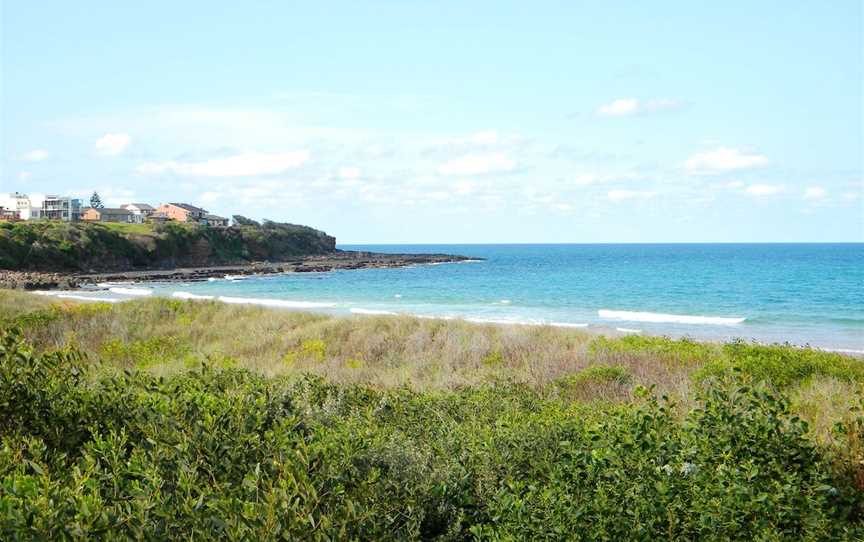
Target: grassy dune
167 419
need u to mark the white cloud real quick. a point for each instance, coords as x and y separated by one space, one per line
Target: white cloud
735 184
621 195
815 193
24 176
464 188
349 172
241 165
478 164
723 159
585 179
625 107
850 196
480 141
759 190
112 144
487 137
36 155
237 195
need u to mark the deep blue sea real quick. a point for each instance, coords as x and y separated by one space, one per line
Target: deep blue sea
798 293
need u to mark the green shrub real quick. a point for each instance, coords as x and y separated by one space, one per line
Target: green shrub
145 353
678 351
309 350
781 365
226 454
607 381
34 319
493 359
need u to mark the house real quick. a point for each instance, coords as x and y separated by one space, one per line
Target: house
140 211
9 215
105 214
20 204
61 208
215 221
182 212
158 216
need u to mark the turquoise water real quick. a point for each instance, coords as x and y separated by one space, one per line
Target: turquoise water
798 293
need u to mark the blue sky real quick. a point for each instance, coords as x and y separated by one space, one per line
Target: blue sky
409 122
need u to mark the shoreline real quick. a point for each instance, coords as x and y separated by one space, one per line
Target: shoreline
339 260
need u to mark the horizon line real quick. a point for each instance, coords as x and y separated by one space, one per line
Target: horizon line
615 243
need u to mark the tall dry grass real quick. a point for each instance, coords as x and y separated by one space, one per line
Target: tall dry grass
166 336
385 351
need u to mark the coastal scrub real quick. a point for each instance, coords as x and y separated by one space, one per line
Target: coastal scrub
187 419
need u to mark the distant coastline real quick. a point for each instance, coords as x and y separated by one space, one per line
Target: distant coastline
54 254
338 260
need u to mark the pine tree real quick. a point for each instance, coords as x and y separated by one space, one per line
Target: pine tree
96 201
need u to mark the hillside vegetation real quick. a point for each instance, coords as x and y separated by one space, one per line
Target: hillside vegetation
162 419
84 246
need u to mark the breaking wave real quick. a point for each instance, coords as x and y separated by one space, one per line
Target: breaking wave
130 291
284 303
187 295
87 298
355 310
567 324
667 318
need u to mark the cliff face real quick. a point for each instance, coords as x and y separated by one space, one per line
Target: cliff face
57 246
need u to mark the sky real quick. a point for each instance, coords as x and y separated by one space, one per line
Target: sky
449 122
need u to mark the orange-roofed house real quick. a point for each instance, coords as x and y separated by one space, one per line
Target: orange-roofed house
182 212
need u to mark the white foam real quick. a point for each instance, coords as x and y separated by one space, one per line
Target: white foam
504 302
130 291
187 295
432 317
503 321
371 311
212 279
667 318
86 298
471 261
285 303
234 277
566 324
628 330
397 296
47 292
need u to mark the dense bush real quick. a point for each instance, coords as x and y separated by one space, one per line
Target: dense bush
229 455
782 365
53 245
682 351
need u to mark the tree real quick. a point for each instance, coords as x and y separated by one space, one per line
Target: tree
240 220
96 201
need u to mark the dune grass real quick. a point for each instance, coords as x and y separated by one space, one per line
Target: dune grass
166 336
180 418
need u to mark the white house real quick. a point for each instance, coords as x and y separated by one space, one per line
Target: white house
61 208
140 211
19 203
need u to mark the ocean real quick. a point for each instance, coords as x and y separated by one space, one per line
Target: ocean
796 293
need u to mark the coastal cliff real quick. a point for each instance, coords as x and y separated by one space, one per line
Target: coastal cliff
100 247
